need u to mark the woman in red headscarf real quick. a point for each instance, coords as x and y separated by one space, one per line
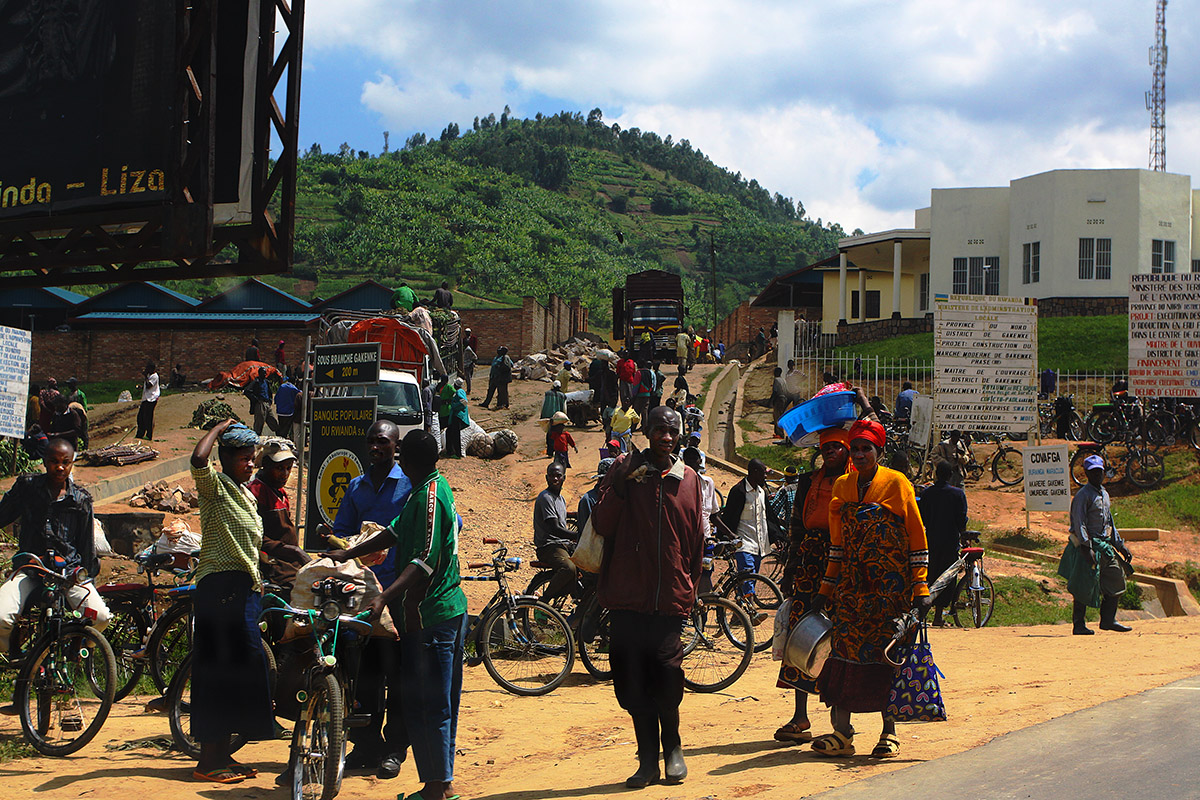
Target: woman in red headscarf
807 557
878 561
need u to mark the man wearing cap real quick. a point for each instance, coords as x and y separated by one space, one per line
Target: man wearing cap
281 542
564 376
1095 576
470 359
76 395
561 439
592 496
551 536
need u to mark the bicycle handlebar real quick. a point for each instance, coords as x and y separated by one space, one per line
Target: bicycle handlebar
357 623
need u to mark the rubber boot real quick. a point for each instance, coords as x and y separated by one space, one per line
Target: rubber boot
1079 619
645 729
675 768
1108 616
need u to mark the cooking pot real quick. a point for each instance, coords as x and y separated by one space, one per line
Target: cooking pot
809 643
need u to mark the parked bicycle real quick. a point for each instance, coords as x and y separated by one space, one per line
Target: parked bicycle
1138 463
1059 419
974 595
757 594
525 644
718 643
67 674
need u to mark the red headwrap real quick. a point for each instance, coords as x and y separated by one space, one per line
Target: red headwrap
870 430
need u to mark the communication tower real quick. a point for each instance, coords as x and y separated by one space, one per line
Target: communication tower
1156 98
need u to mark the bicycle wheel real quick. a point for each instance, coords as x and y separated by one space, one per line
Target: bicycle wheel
713 660
126 632
772 564
1007 467
974 604
65 690
170 642
1076 429
527 649
1103 427
594 642
760 606
1078 473
319 743
1144 469
179 712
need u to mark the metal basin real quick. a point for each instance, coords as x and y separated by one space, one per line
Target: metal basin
809 643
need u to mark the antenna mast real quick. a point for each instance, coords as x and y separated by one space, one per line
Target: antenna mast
1156 98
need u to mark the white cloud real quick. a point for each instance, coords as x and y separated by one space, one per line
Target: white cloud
856 108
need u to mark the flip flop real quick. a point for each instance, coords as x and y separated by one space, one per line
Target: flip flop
242 769
792 732
887 747
833 745
218 775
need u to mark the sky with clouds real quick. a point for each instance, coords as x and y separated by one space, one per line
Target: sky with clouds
856 108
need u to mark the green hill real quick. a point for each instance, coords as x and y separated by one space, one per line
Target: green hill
556 204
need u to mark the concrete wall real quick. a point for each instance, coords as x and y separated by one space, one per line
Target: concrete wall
876 282
966 223
102 355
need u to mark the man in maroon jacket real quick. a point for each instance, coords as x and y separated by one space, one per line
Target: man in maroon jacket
650 515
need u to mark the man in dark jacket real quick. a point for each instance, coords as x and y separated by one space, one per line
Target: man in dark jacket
499 377
650 514
944 512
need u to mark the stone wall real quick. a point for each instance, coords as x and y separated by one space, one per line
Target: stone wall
877 330
1082 306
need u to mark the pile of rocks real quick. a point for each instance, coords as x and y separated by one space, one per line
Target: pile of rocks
162 497
543 366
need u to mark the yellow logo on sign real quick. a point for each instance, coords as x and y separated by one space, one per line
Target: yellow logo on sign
340 467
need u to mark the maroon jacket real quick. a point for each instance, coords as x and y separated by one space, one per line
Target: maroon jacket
654 542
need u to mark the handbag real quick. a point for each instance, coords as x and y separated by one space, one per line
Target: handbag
916 695
779 636
589 553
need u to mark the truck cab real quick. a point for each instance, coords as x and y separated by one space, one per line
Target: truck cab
399 399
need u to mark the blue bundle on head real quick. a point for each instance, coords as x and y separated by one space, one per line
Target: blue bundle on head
238 435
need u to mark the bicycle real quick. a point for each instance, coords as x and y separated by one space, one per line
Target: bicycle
1059 418
525 644
718 643
67 676
967 575
757 594
1141 466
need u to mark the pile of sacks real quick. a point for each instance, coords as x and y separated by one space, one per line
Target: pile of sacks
162 497
543 366
479 443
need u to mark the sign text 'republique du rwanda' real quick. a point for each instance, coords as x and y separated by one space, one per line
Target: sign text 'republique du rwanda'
1046 484
337 454
1164 335
16 347
985 364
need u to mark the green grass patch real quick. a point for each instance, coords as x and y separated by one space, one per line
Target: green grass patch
109 391
777 457
708 381
1022 601
14 746
1173 506
1026 540
749 425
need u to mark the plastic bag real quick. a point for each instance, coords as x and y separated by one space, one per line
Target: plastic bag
589 553
177 537
353 571
780 635
103 548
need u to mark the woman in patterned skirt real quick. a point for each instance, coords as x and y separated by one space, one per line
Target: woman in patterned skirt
877 568
808 554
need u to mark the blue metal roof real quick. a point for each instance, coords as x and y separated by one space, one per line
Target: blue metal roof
197 316
139 295
40 297
66 294
253 296
177 295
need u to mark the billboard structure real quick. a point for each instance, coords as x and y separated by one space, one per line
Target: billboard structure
135 139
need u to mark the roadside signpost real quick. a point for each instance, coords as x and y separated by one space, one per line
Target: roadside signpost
346 364
1047 483
922 421
1164 335
16 348
985 364
337 454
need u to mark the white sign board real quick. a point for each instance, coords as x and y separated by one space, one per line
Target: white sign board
16 347
985 364
1047 469
1164 335
921 420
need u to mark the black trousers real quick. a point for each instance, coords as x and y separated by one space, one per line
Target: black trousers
501 392
378 693
145 419
454 438
646 655
564 570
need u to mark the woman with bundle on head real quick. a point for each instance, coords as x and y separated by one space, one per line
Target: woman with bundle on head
877 568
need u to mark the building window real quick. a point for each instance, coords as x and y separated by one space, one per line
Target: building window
1095 259
1031 262
991 275
1162 257
960 276
872 304
923 290
1196 265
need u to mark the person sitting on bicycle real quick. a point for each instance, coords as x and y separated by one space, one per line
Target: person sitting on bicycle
944 512
592 496
624 420
745 515
55 515
551 536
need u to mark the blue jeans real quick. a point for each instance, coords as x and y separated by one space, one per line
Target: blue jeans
747 562
431 662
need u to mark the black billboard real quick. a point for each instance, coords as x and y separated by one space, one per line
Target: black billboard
88 103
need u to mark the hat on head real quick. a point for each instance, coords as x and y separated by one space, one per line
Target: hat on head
790 471
1093 462
695 435
567 363
559 418
870 430
238 435
557 385
276 449
602 467
614 444
458 383
840 435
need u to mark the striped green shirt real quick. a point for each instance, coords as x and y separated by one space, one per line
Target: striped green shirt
426 534
230 528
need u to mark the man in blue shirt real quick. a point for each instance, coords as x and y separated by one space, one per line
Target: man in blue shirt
286 407
904 400
258 390
378 496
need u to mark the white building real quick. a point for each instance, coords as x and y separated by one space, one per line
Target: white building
1070 238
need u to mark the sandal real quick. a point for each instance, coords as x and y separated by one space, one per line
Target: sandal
792 732
887 747
833 745
218 775
242 769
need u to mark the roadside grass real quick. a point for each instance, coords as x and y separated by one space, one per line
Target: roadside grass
708 381
778 458
1064 343
1022 601
14 746
1173 506
747 424
109 391
1026 540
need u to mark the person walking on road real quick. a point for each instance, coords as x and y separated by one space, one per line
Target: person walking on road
650 517
1096 560
150 393
944 512
499 377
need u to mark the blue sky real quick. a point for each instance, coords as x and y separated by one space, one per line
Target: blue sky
857 108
